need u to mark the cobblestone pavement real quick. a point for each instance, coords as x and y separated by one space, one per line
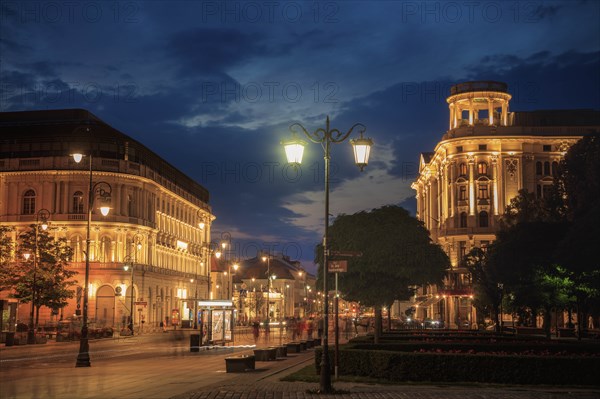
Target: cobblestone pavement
299 390
255 385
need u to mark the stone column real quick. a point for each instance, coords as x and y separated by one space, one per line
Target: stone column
495 183
471 116
471 185
452 188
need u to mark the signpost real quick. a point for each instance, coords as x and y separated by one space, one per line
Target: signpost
339 266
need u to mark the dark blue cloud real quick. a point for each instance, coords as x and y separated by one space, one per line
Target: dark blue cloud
179 87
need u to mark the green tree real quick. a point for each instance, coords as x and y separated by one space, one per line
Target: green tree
397 255
485 284
579 181
52 277
7 266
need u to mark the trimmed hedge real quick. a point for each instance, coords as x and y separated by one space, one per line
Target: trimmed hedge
404 366
510 347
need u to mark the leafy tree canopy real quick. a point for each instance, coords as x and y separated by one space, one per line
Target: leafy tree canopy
398 254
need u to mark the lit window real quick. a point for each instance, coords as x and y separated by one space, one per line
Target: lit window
78 202
463 169
29 202
482 168
483 192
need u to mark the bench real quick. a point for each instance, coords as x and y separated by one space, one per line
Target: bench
236 364
310 343
281 351
265 354
303 345
294 347
566 332
530 331
317 342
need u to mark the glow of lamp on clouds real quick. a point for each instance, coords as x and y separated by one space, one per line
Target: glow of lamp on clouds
374 188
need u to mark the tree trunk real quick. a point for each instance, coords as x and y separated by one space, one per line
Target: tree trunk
389 318
37 315
547 321
377 329
497 316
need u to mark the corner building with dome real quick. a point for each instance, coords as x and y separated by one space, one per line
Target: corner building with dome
485 157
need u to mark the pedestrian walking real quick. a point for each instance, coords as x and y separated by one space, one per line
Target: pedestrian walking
255 330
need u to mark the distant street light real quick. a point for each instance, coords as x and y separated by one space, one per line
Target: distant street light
294 150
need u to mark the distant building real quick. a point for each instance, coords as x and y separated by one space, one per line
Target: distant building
160 219
487 155
293 292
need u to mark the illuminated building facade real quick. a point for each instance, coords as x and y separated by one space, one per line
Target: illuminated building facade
159 221
487 155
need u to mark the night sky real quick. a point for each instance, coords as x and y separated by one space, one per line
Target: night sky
212 87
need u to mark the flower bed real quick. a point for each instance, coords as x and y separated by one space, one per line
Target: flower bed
545 348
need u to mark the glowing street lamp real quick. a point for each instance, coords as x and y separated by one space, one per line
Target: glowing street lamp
294 150
103 191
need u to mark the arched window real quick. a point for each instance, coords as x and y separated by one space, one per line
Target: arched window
546 168
29 202
554 168
463 220
462 169
538 168
482 168
483 219
77 202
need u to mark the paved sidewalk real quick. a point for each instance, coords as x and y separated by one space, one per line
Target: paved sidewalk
255 385
177 373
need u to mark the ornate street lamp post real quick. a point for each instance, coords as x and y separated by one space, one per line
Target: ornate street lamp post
267 259
130 262
294 150
103 191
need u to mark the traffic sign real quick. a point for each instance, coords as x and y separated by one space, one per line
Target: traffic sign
141 303
337 266
349 254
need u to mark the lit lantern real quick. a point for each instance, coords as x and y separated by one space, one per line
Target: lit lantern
362 150
294 149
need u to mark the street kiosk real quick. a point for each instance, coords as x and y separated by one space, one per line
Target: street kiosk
217 321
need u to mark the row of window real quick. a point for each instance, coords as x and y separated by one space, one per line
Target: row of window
482 169
483 219
545 168
29 198
483 147
482 192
